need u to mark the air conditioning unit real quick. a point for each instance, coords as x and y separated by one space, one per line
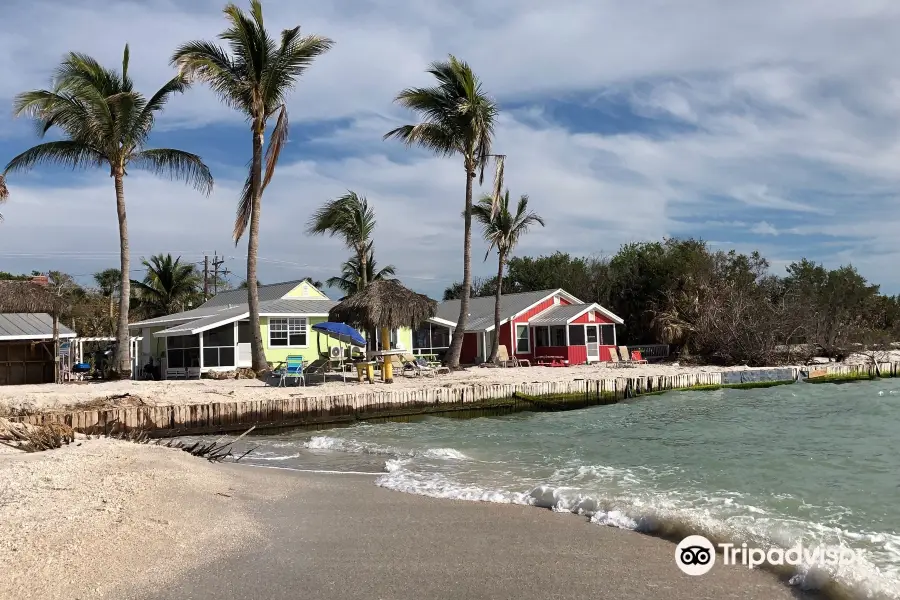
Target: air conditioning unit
335 352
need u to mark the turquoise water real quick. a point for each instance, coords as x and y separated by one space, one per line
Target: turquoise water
814 464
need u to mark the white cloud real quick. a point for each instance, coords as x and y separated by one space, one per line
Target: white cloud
781 127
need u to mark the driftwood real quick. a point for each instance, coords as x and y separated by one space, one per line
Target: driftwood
34 438
214 451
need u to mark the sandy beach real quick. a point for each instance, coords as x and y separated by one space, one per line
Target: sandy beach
161 393
112 519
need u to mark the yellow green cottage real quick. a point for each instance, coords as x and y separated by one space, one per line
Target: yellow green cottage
216 335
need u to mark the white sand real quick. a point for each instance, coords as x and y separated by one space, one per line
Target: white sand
161 393
105 518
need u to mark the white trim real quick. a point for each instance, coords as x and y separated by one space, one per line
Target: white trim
48 337
292 315
271 346
444 322
516 338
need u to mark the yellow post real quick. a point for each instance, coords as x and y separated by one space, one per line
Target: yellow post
386 345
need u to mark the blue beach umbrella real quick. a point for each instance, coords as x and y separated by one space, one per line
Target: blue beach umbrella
341 332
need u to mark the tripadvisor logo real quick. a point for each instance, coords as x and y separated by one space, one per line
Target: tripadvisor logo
696 555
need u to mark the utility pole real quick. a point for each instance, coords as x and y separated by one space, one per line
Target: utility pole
217 262
205 278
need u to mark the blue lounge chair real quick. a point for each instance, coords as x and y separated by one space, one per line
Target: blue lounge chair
292 368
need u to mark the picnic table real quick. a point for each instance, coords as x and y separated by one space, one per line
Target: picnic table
551 361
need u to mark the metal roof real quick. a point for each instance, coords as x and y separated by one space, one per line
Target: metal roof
559 315
481 309
270 300
30 326
303 306
272 291
225 315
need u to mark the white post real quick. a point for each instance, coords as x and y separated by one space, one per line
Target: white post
235 340
614 335
199 335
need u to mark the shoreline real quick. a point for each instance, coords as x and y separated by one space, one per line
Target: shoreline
178 526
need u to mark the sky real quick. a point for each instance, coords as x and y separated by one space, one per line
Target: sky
764 125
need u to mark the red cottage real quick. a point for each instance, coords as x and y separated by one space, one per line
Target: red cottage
549 323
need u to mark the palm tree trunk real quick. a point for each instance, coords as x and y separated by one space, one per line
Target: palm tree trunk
496 346
256 341
122 368
363 281
456 343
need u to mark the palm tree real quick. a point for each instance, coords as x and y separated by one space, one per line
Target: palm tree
168 286
106 123
457 119
351 218
502 230
352 276
254 77
109 281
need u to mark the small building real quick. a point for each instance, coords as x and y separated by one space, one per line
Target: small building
26 348
533 324
216 336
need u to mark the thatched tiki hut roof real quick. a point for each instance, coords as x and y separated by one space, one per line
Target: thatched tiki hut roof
384 303
27 297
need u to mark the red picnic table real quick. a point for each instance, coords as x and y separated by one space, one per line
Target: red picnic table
551 361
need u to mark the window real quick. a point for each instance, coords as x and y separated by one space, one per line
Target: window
523 345
541 337
558 336
287 333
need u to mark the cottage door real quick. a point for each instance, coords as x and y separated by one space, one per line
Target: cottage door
593 345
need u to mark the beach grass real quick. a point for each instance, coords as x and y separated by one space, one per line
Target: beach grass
841 378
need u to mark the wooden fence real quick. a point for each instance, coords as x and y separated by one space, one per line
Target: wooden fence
219 417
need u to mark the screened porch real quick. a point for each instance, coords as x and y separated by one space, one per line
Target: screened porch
222 348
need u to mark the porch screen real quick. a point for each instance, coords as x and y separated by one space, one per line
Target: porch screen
541 337
576 335
558 335
607 335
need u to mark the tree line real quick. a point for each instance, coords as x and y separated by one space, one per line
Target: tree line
723 307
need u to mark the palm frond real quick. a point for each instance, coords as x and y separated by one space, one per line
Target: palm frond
176 164
500 159
65 153
276 144
438 138
293 57
177 85
212 65
244 209
349 217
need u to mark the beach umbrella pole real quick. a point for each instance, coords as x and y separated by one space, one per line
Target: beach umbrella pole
387 369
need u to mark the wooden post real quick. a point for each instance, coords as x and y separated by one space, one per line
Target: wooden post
387 369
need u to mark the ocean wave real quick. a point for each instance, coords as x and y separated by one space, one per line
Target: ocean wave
672 518
324 442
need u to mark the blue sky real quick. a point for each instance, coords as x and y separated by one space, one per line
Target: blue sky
768 125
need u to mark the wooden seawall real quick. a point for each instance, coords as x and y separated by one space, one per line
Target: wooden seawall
218 417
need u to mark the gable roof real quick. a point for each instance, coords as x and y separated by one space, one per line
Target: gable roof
481 309
225 303
558 315
30 326
273 291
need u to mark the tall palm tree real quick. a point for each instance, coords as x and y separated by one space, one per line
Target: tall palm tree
105 123
502 230
109 281
168 286
352 275
254 77
349 217
457 119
